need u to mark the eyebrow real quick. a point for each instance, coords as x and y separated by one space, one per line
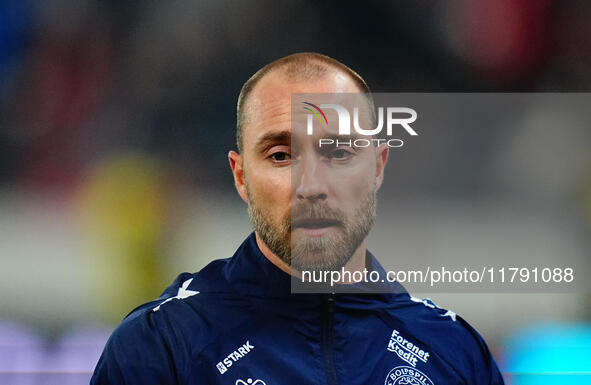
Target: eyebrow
272 138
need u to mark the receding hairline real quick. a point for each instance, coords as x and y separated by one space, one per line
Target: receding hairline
297 67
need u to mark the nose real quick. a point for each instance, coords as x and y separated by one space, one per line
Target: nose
310 181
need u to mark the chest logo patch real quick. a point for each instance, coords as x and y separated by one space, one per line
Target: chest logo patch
405 375
406 350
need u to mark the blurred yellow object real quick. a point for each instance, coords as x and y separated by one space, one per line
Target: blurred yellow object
123 203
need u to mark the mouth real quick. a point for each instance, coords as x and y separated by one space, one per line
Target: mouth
314 226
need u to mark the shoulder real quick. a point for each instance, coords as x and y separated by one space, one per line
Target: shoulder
190 308
437 324
160 335
449 336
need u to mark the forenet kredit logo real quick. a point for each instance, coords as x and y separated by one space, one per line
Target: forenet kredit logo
390 117
406 350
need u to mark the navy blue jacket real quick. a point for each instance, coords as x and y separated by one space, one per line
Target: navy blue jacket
236 322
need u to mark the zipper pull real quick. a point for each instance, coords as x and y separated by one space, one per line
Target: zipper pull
330 302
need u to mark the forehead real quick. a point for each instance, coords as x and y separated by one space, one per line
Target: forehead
269 107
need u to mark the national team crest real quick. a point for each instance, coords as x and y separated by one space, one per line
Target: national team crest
406 375
250 381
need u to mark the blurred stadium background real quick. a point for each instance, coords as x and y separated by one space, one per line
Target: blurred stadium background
116 118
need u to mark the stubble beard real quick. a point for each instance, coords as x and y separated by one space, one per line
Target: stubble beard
326 253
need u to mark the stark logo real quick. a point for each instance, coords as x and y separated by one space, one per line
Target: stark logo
236 355
405 375
250 381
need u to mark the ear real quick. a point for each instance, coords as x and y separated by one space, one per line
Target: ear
236 165
381 159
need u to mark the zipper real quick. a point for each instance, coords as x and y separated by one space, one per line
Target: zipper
327 339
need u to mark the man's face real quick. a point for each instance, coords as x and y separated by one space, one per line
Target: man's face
311 206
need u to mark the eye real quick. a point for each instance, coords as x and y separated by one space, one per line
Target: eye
339 153
280 156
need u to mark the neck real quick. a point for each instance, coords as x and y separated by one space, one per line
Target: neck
356 263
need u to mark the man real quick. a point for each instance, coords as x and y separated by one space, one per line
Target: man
237 322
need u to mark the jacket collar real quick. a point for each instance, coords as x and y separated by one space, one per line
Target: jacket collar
250 273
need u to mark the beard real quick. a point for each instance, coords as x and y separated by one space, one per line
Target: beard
326 253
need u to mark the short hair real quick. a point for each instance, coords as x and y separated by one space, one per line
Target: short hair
298 67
